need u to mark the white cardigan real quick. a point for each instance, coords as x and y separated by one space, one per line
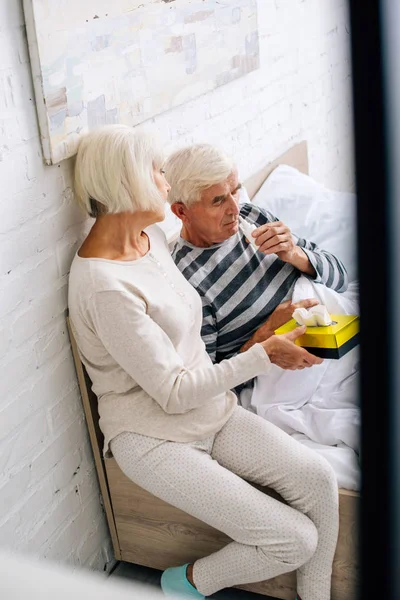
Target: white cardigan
137 326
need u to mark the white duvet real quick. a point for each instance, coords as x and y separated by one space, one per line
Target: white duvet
319 406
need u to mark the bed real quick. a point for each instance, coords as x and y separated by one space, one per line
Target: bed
150 532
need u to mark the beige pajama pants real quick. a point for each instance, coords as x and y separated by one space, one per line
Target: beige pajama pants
207 480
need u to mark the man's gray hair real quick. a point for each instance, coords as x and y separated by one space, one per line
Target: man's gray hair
193 169
114 170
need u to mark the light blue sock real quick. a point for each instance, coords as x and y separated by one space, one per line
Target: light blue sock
175 584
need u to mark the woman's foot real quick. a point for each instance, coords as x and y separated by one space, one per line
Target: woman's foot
175 584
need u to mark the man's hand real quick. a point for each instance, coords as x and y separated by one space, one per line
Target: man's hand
276 238
284 353
283 312
281 315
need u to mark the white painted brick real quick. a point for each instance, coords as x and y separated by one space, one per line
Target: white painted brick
27 197
93 543
35 505
30 435
52 341
76 530
19 80
39 273
8 50
222 101
9 535
53 522
74 436
270 95
276 115
8 301
5 341
40 234
11 14
240 139
70 560
9 137
66 250
65 543
98 561
39 314
13 488
44 390
13 48
16 365
65 411
13 413
89 486
67 471
301 91
6 91
26 121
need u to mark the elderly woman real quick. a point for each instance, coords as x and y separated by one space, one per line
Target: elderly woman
167 413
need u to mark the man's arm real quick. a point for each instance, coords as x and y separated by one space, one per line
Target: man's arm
209 332
276 238
330 271
281 315
301 261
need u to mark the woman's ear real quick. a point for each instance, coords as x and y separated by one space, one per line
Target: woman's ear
179 210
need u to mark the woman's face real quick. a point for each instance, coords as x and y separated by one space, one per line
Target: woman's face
161 183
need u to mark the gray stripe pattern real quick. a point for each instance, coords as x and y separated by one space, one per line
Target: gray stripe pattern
240 287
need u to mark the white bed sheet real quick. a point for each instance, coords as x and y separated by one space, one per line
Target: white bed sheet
317 406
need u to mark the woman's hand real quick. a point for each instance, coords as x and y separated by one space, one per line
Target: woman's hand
284 353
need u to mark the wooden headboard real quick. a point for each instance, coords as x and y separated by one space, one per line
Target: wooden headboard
296 157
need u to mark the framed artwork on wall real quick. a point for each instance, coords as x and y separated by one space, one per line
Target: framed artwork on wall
126 61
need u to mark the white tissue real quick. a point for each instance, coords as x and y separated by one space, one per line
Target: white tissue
247 229
316 316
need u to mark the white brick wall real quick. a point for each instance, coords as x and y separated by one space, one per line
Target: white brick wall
48 490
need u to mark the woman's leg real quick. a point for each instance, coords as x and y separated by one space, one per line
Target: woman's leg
260 452
270 537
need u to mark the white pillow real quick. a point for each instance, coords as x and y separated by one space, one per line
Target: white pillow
312 211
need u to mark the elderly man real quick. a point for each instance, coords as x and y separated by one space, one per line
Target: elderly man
246 292
247 289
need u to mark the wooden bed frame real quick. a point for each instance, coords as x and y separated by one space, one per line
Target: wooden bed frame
150 532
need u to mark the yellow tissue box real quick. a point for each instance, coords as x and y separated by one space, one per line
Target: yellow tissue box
333 341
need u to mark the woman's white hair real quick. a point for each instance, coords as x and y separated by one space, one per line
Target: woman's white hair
114 171
193 169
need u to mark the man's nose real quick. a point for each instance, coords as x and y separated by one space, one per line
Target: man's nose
233 206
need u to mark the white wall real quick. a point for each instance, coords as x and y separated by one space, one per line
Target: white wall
49 499
302 91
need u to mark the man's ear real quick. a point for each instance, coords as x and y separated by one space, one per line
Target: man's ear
179 210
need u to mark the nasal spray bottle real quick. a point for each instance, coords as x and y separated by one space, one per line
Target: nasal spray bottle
247 229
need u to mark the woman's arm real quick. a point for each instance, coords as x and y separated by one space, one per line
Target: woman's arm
147 354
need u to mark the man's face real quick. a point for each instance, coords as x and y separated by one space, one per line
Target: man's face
214 218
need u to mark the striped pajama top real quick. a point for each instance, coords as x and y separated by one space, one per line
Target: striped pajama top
240 287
